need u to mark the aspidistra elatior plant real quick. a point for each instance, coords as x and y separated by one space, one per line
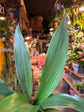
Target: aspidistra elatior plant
52 72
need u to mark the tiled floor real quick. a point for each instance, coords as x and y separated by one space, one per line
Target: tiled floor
60 89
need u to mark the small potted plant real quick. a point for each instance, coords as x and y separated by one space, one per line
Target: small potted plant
74 55
80 87
73 60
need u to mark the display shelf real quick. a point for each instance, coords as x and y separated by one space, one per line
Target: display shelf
77 74
71 85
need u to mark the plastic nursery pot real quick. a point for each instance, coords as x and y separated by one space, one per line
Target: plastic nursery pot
67 74
81 91
75 67
81 70
65 84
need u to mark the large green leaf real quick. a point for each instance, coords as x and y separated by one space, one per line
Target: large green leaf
22 62
55 62
64 100
17 102
5 90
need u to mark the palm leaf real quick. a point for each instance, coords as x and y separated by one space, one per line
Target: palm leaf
64 100
22 62
55 62
17 102
5 90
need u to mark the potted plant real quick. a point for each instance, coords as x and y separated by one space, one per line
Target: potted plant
72 59
74 55
51 75
80 87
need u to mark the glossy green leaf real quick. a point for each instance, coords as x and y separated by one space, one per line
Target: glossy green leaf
17 102
22 62
51 110
64 100
55 62
5 90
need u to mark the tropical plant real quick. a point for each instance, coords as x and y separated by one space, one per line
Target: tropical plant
51 75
